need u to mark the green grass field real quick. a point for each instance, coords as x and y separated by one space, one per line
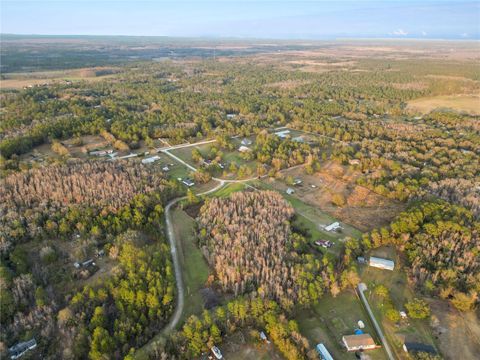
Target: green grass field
229 157
332 318
194 267
228 189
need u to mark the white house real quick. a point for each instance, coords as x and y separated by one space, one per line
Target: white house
381 263
332 227
151 159
358 342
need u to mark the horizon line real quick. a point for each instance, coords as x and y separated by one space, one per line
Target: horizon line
220 37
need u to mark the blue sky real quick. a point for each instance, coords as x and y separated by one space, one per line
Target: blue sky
259 19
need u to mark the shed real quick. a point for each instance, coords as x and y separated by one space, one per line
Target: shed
188 182
290 191
151 159
359 342
323 352
246 141
381 263
243 148
413 347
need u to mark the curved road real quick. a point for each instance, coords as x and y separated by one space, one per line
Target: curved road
176 264
171 234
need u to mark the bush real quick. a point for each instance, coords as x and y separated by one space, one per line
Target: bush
338 199
417 309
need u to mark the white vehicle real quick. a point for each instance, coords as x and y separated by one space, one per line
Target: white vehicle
216 351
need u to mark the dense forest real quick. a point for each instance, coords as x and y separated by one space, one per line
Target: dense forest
60 215
442 246
247 240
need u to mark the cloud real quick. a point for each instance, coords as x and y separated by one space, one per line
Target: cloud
424 33
399 32
464 35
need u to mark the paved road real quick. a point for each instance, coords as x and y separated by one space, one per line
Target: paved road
360 289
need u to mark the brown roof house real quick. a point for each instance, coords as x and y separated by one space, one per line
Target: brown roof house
359 342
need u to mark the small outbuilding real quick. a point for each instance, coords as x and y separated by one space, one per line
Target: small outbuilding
243 149
414 347
381 263
359 342
290 191
151 159
323 352
246 142
188 182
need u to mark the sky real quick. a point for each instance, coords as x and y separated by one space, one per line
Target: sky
278 19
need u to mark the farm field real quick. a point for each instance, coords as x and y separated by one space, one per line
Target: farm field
469 103
39 78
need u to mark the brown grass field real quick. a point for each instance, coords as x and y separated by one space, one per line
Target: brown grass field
469 103
21 80
363 209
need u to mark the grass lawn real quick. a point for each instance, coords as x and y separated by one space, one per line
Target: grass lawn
228 189
228 157
332 318
311 218
194 267
400 292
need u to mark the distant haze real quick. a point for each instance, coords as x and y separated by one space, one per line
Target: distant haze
257 19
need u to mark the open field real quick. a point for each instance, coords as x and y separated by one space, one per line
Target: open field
241 346
363 208
458 333
21 80
228 157
469 103
332 318
194 267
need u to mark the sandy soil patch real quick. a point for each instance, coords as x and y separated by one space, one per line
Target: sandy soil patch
458 333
